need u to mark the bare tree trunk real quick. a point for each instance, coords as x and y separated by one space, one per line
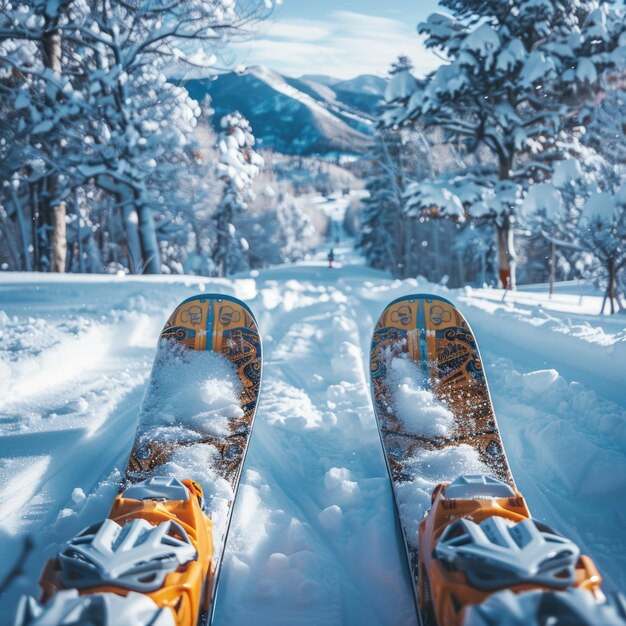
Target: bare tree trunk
437 242
25 254
398 248
6 232
133 245
56 210
504 229
222 240
408 249
79 240
59 238
461 268
34 223
149 243
611 286
506 253
483 269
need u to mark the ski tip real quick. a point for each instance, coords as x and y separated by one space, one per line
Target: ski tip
219 297
212 322
420 296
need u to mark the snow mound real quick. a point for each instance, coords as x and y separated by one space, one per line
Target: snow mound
189 389
418 408
428 468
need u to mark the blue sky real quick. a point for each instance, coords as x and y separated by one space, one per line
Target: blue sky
341 38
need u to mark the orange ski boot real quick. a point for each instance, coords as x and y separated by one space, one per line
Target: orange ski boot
478 538
153 556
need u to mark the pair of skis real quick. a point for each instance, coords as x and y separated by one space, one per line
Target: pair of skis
477 560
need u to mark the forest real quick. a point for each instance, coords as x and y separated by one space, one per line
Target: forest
506 165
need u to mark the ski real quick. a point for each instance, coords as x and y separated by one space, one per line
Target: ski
476 557
156 559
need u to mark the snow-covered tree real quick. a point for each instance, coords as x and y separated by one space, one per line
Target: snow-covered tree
583 210
238 165
31 54
275 227
92 105
515 72
402 64
603 234
382 212
397 157
475 246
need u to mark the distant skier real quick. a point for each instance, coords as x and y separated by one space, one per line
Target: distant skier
331 257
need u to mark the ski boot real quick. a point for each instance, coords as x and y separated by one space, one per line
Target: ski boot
150 562
480 551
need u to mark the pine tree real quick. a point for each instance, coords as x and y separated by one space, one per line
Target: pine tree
402 64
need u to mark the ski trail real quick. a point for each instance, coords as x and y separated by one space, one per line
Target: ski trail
69 429
318 569
53 506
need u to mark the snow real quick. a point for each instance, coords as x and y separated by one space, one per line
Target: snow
199 391
596 26
566 171
513 53
428 195
278 82
415 405
313 538
586 71
428 469
599 208
536 67
400 87
543 197
484 41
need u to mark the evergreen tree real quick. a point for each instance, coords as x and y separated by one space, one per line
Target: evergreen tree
402 64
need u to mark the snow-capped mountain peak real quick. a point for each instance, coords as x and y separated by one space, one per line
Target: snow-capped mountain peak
316 114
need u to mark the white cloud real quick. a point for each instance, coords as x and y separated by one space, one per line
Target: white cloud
346 45
299 30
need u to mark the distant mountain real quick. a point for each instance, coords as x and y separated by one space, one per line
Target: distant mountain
367 83
322 79
308 115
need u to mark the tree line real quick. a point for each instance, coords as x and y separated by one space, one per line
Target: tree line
519 134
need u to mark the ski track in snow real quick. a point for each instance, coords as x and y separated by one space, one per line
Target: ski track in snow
314 539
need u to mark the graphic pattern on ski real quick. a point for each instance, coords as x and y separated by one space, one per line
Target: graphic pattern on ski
221 325
433 335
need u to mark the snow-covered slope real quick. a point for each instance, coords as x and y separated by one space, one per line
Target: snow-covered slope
314 538
313 116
